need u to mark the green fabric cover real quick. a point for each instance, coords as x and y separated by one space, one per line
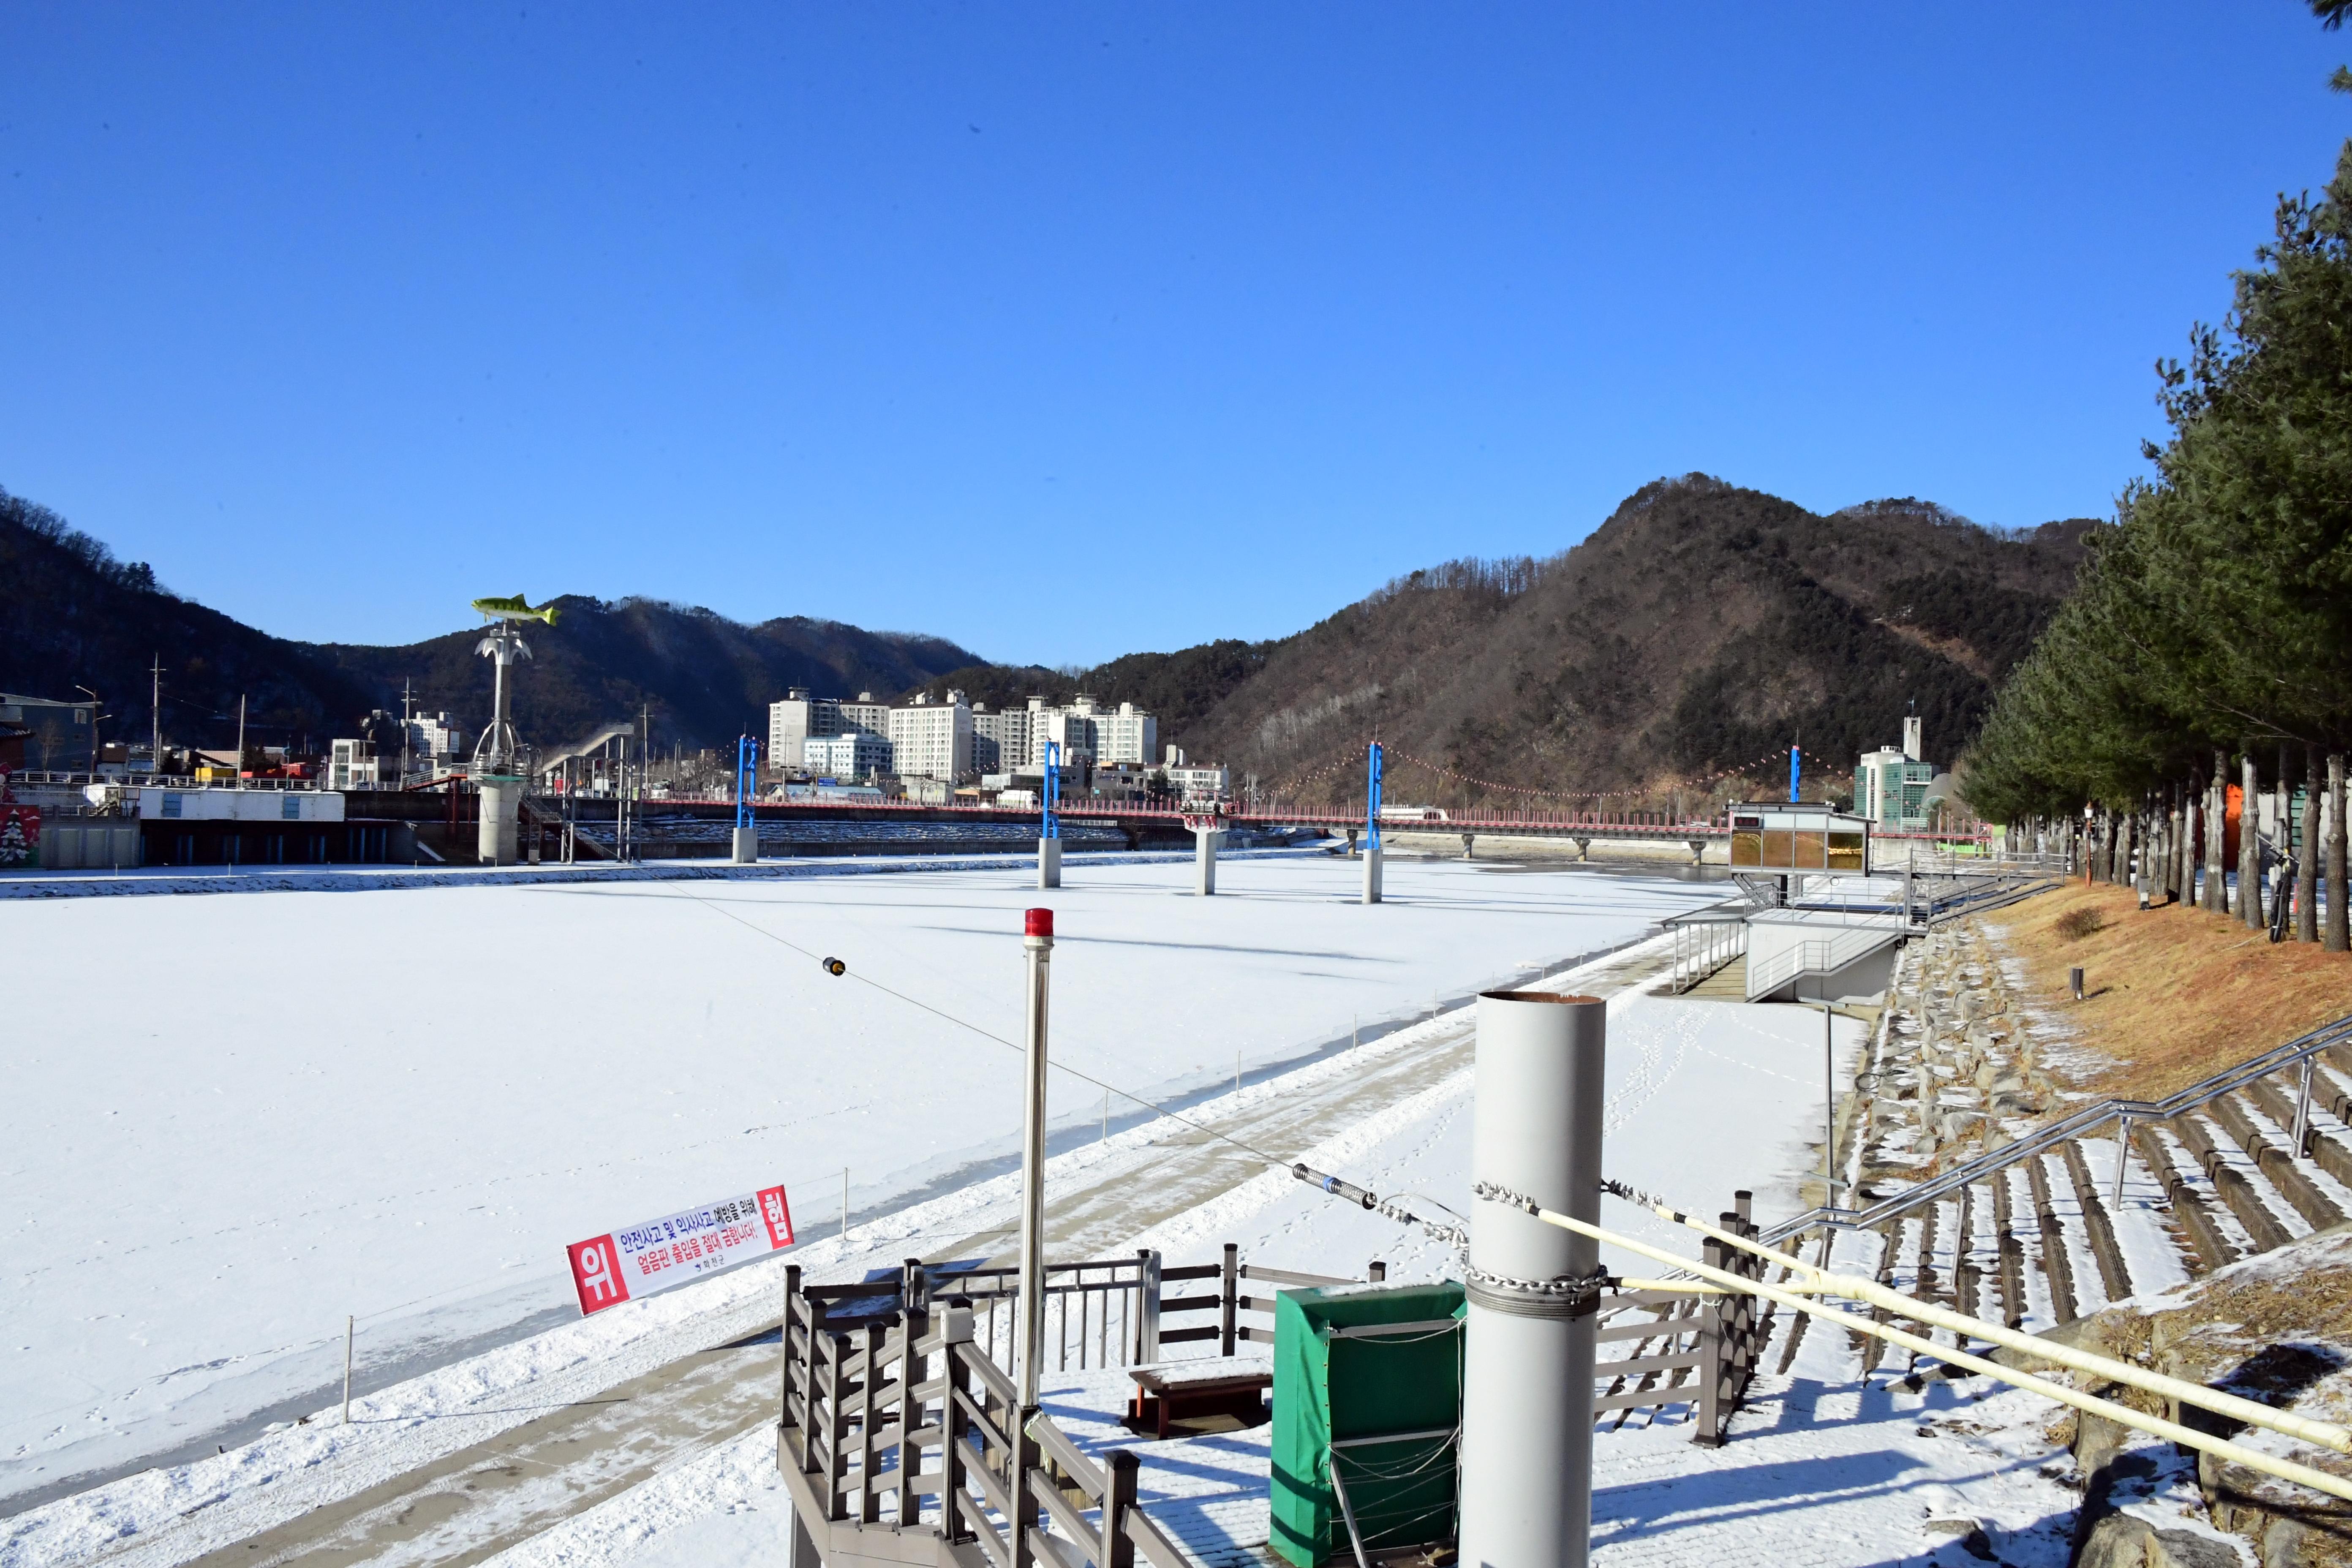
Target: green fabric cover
1327 1389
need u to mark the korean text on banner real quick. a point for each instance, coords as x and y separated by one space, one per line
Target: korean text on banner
643 1259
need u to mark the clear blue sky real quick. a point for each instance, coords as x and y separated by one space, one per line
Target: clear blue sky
1069 331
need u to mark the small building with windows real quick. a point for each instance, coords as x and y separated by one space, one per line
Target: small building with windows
1893 786
1799 837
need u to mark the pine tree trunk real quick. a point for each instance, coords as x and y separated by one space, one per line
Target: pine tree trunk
2189 843
2217 830
2339 936
2175 823
2306 860
2250 843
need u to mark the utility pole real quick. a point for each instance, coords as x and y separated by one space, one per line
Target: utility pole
405 717
95 704
240 742
155 712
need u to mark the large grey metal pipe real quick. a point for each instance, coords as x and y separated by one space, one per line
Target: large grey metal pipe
1526 1402
1037 941
1373 872
1049 863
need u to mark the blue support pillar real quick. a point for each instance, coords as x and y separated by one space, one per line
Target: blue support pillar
747 780
1792 774
1049 833
1372 825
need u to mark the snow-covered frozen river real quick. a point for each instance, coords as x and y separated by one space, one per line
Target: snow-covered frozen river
232 1120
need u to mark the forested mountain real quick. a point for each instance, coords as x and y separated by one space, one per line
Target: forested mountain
1700 627
74 616
71 615
704 677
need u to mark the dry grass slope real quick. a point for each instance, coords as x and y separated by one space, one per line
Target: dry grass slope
2174 995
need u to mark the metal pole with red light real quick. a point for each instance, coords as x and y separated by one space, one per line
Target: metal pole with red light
1037 941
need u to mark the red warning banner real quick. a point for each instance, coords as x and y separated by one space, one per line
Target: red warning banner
622 1265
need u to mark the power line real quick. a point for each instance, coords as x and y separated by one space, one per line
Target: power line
1274 1160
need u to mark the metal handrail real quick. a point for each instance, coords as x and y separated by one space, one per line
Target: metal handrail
2195 1097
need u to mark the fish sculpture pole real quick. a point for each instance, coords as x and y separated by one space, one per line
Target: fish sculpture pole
498 755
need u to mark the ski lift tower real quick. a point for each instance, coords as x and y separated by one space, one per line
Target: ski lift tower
498 755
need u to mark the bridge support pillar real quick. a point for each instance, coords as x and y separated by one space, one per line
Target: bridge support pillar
1468 840
1049 862
746 846
1205 861
1372 856
495 834
1584 848
1698 850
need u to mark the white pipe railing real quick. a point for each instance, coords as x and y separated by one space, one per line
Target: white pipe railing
2122 1415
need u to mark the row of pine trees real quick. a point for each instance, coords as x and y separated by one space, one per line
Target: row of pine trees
2209 642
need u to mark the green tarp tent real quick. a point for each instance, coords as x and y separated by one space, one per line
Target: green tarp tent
1356 1362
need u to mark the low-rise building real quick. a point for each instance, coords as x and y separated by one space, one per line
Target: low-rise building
1188 781
857 755
1891 787
353 764
58 735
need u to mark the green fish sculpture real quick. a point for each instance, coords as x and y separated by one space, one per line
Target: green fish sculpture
515 609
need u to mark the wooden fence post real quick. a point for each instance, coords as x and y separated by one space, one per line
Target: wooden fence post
1119 1501
1230 1301
837 1437
913 1365
784 1343
1024 1455
956 1331
1712 1362
869 1495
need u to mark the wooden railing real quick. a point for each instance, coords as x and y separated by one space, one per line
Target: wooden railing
1706 1346
901 1443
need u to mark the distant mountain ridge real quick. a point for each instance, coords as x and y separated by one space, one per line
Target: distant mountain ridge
1700 627
74 616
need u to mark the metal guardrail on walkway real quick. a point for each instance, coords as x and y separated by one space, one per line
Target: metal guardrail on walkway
2301 1051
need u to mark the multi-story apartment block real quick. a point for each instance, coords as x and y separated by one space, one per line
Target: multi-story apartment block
1129 735
999 739
932 740
866 715
796 720
433 738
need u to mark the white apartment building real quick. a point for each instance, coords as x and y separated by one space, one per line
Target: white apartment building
855 756
866 715
1129 735
1000 739
932 740
797 719
433 738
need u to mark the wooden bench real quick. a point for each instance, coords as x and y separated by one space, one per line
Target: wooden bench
1170 1392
